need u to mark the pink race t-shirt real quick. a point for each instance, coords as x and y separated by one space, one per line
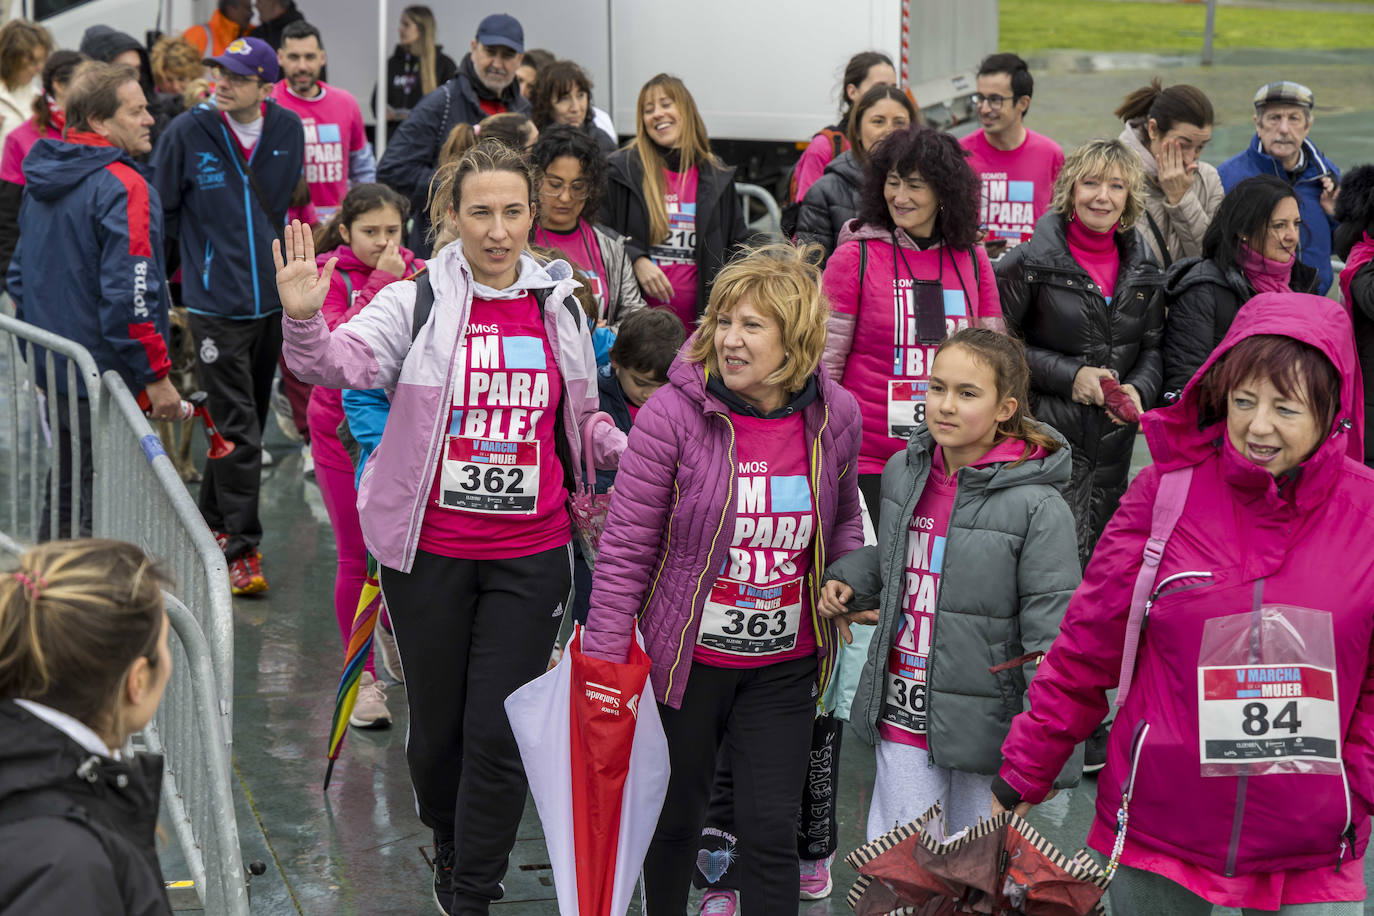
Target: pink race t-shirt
18 142
499 490
676 256
819 153
888 367
333 130
903 716
582 249
1017 184
759 611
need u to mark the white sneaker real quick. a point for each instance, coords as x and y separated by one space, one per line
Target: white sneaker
307 462
389 653
370 711
266 458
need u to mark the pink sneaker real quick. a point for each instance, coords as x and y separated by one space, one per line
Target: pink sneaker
719 903
815 878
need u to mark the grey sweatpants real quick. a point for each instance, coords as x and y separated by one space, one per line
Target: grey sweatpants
907 784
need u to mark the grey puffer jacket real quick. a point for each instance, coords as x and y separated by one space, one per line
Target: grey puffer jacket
1011 564
622 289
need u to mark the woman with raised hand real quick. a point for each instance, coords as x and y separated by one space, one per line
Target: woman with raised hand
83 665
834 199
1168 129
1085 295
915 243
1240 769
673 200
1251 247
737 490
464 502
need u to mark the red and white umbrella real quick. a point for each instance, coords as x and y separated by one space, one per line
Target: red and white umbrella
597 763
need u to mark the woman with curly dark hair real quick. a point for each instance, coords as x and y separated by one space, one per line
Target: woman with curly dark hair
1086 296
907 273
563 95
572 175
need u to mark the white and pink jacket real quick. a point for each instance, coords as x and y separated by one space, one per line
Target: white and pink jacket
374 350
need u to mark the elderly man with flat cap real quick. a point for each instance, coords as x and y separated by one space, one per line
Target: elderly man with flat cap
1283 118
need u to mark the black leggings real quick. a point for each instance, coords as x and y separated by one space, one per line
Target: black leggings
470 632
760 718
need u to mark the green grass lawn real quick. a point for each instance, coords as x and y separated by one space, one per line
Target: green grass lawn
1041 25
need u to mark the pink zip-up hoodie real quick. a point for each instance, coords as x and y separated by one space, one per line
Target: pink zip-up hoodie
1305 544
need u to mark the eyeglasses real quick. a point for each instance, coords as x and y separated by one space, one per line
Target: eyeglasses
235 79
994 101
577 190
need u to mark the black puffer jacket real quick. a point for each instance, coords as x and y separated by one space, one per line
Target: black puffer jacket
830 203
76 829
1203 300
720 224
1056 308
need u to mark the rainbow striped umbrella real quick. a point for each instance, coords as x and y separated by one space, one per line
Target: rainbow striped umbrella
359 645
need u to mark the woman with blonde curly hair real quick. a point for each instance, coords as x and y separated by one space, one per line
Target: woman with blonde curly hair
1085 295
738 487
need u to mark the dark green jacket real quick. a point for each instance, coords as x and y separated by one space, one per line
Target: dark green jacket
1011 563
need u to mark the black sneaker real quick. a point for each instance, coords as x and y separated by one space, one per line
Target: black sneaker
443 873
1095 750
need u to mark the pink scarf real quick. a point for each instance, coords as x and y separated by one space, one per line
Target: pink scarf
1266 275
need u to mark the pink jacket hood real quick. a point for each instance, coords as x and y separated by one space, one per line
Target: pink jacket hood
1175 434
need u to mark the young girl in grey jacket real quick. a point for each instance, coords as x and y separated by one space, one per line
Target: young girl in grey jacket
975 562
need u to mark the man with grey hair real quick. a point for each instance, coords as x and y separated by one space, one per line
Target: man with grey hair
86 202
1283 119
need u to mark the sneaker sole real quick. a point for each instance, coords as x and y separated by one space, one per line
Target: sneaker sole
821 894
447 911
378 723
252 588
1091 768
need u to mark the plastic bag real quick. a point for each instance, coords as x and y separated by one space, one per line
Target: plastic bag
1267 693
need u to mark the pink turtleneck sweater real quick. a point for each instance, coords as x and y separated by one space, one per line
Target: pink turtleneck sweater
1096 253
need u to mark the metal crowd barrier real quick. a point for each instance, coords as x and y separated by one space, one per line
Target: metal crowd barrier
771 220
197 795
31 434
141 499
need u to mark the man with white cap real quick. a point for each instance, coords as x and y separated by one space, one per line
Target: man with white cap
1283 118
484 85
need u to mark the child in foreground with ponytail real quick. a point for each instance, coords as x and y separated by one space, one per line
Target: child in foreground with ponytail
975 562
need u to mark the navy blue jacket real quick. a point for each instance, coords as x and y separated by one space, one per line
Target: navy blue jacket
89 262
613 402
226 238
1317 228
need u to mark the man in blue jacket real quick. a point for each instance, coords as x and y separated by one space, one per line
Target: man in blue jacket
484 85
1283 118
88 265
226 173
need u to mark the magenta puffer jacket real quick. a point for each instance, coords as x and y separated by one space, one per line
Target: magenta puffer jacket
667 533
1306 545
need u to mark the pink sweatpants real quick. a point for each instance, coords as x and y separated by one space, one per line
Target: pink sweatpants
341 502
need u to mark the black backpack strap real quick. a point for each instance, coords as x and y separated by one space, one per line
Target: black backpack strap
1159 240
424 304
